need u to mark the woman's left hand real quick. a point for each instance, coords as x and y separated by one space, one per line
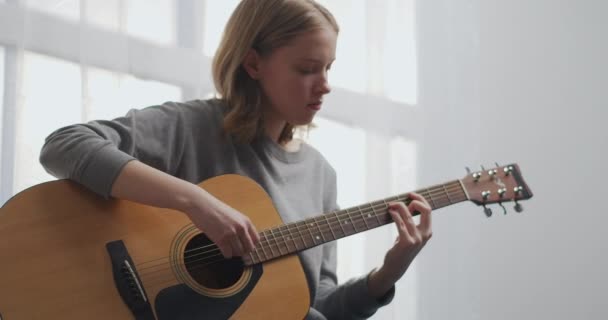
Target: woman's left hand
410 241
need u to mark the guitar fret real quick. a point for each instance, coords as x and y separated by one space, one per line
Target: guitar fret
363 217
295 244
271 234
330 228
312 237
255 251
261 246
351 220
265 237
319 228
284 239
301 235
447 193
385 215
277 242
373 210
337 214
431 199
375 215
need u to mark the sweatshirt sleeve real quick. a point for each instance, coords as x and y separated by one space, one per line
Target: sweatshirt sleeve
350 300
94 153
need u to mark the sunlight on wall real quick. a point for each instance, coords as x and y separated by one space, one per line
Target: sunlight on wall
216 16
1 84
66 9
52 99
1 100
349 70
104 14
112 95
404 179
152 20
344 148
399 55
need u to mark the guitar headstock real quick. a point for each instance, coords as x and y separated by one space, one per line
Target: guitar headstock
496 186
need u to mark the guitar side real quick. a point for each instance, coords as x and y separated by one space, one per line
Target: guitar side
54 263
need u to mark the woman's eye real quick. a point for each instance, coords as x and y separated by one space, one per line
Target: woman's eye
307 71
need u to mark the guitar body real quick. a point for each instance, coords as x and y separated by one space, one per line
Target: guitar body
54 262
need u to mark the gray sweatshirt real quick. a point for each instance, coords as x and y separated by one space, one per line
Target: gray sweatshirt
186 141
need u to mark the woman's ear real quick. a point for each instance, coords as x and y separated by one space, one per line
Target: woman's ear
251 63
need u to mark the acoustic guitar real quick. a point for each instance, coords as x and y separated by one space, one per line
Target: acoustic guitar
66 253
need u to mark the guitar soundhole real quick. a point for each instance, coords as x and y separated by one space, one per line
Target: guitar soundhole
208 267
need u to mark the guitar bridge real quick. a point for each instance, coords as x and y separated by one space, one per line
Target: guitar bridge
127 281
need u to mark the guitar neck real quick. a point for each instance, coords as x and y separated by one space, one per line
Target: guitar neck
298 236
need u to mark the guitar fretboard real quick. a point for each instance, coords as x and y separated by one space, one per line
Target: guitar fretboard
298 236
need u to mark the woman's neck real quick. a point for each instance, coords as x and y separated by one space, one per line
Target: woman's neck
274 130
273 126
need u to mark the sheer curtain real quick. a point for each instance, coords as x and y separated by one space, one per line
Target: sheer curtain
77 60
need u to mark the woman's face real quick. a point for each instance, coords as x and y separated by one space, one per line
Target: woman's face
294 77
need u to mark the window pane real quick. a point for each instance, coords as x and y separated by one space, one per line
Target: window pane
403 165
1 84
403 162
216 16
1 104
400 60
344 147
112 95
349 70
52 100
66 9
104 13
152 20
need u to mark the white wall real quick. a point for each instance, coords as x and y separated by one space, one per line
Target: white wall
526 82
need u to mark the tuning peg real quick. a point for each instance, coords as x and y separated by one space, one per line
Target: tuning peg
487 211
518 207
504 210
468 170
497 165
482 168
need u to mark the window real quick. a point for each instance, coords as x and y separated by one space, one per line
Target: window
152 20
52 99
104 14
349 71
2 75
1 85
216 17
344 148
65 9
399 55
112 95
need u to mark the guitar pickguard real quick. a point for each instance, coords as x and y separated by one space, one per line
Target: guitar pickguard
181 302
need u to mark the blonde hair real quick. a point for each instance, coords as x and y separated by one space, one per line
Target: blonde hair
263 25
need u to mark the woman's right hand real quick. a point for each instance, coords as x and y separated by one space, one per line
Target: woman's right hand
229 229
232 231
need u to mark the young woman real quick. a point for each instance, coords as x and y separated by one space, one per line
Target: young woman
270 73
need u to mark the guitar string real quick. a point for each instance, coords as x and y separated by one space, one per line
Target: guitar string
207 258
289 227
270 238
152 279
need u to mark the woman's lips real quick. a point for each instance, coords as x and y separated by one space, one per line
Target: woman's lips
315 106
